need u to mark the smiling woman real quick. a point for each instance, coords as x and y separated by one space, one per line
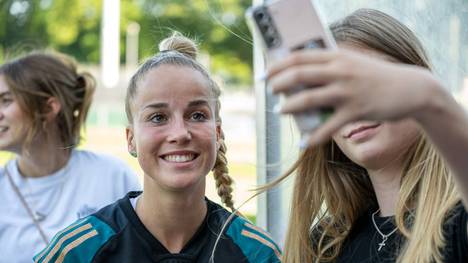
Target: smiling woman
43 105
175 132
384 178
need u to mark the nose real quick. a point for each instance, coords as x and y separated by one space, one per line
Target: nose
179 133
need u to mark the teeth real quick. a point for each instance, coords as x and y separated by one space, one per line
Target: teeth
179 158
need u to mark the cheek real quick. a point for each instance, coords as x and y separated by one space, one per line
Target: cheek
403 133
147 139
14 113
392 140
206 134
339 140
205 138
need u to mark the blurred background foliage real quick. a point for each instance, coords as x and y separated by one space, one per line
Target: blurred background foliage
73 27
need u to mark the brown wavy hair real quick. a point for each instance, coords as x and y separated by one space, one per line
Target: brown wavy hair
38 76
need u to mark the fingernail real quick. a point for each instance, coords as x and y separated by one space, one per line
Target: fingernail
277 108
304 143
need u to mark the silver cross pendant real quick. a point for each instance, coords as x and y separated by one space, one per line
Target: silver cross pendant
382 244
39 216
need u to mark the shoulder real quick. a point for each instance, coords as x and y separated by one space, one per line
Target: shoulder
256 244
94 157
457 219
456 233
103 164
78 242
253 242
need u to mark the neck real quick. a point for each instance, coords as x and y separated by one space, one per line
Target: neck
386 184
172 217
42 159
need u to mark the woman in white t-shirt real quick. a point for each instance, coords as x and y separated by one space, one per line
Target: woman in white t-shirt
43 106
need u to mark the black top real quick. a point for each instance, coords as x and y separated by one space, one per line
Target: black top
116 234
363 242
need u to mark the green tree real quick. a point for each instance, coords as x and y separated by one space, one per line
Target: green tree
73 27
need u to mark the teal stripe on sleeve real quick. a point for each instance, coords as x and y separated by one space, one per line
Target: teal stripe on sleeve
257 247
41 255
262 234
82 246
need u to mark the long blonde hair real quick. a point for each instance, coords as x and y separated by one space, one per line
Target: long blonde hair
331 192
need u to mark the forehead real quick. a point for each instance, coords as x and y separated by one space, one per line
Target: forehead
3 85
172 83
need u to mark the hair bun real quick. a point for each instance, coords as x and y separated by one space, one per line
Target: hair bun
177 42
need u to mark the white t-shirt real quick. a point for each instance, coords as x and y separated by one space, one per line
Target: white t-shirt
87 183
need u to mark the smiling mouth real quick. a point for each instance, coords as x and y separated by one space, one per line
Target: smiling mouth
179 158
361 129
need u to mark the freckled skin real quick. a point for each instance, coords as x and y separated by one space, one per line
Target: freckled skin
174 113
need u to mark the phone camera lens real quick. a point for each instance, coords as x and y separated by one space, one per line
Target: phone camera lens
272 41
259 15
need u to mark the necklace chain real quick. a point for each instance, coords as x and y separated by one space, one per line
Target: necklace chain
31 213
384 236
36 216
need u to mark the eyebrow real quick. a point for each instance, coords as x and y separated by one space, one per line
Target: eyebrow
157 105
5 93
198 103
160 105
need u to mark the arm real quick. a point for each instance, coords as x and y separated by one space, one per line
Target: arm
446 124
361 87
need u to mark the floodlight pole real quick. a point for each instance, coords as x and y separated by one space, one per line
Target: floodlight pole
268 131
110 39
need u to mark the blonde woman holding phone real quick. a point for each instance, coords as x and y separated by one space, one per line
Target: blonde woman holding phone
385 178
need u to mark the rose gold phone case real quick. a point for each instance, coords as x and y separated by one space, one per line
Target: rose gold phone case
286 26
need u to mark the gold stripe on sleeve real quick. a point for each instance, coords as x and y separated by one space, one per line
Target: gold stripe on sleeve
74 244
38 258
261 240
59 243
258 229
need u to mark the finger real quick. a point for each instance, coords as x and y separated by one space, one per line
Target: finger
312 98
331 126
309 75
311 56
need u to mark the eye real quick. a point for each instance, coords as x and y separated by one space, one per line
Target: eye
198 116
158 118
5 101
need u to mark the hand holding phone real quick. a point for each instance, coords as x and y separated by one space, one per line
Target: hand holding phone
286 26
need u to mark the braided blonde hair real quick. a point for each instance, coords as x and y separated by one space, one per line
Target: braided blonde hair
221 175
182 51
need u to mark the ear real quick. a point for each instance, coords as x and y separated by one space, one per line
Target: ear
130 139
52 109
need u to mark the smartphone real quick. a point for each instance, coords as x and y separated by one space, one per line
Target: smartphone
286 26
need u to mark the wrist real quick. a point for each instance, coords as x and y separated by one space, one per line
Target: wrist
435 101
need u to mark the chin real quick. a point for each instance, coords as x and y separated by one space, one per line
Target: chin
9 148
184 183
369 156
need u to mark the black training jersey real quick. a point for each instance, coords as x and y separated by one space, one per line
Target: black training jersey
363 243
116 234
